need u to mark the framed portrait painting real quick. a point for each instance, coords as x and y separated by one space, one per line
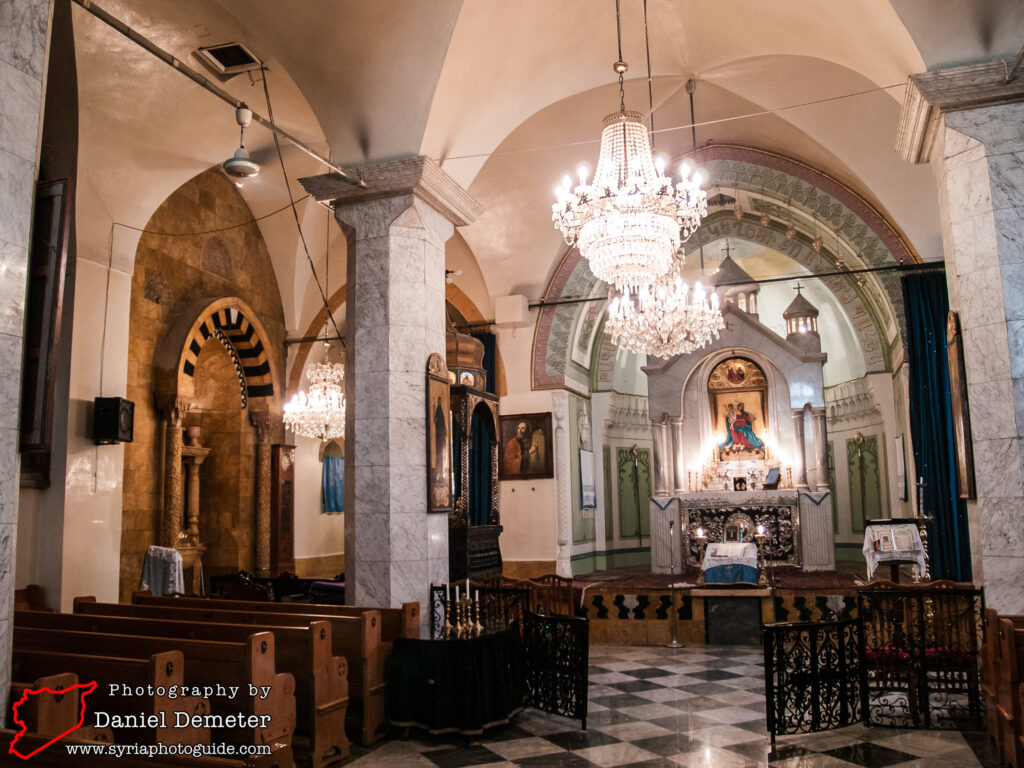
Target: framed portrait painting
961 411
525 446
439 437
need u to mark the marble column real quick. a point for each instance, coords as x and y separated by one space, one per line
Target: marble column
261 422
820 449
966 122
395 318
174 492
662 457
678 465
23 39
800 455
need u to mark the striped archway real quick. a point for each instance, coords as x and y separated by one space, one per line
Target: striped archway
227 321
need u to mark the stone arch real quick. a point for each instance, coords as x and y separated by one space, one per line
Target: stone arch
230 322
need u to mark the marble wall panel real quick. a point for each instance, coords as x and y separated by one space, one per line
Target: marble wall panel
968 191
985 289
408 442
1002 583
991 404
17 178
371 351
372 535
407 489
407 350
985 354
1009 233
371 442
23 26
1000 464
405 297
405 256
8 475
1013 289
372 584
408 535
1005 172
974 244
1003 532
368 388
1018 399
371 304
406 393
409 581
997 126
10 364
19 119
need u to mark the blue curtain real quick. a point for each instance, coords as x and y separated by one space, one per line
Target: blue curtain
490 345
334 484
479 472
931 424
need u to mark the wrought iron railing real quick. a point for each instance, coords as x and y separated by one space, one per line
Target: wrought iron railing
557 659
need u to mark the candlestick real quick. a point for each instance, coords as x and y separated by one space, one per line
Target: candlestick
446 630
478 628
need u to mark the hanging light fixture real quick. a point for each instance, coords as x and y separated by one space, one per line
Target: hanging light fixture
628 220
665 318
320 413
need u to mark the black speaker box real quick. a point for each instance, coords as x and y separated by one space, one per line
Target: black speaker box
113 420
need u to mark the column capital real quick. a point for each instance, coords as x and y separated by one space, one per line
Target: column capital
818 413
415 175
261 422
930 94
172 409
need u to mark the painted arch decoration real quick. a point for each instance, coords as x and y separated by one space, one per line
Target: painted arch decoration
783 187
226 321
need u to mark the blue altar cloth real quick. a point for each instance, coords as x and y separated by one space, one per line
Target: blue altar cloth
729 574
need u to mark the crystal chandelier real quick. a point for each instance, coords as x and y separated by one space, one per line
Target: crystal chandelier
664 318
321 412
628 221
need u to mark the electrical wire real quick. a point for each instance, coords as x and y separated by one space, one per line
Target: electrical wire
761 113
255 220
295 212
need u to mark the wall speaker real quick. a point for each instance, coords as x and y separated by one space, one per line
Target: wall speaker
113 420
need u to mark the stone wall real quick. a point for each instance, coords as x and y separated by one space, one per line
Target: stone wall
22 59
170 271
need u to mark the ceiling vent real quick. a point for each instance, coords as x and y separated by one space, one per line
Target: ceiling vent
228 58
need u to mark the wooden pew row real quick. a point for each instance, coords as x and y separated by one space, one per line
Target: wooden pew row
395 622
321 679
51 709
161 670
57 756
1008 695
357 638
233 665
990 665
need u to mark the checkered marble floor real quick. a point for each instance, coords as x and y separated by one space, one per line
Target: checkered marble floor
663 708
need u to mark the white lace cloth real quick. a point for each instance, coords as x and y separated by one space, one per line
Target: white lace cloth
732 553
161 571
905 534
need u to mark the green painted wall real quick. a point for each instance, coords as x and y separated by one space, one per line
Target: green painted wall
634 515
865 483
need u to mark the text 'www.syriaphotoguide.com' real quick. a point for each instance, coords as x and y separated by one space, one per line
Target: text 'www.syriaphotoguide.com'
156 750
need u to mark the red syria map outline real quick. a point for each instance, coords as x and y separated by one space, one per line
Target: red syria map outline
86 689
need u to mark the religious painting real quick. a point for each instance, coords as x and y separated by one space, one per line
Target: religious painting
738 390
526 446
439 437
961 411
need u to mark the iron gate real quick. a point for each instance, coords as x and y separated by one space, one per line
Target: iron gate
911 659
812 678
557 656
921 657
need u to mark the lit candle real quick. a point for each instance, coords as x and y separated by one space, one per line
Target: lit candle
760 530
700 533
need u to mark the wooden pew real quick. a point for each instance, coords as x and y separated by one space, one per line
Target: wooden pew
395 622
321 679
206 663
51 709
57 756
357 638
1008 698
161 670
990 664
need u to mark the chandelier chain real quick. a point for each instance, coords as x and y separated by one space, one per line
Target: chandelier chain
650 85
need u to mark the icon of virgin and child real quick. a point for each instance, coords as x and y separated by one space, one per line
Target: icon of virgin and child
739 431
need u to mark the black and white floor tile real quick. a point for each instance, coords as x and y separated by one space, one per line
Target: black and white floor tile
664 708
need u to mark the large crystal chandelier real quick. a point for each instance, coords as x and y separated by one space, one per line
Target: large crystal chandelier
320 413
664 318
628 221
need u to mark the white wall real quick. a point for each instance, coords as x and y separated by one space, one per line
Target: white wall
316 534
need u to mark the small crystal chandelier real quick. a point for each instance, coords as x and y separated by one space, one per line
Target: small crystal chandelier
664 318
321 412
628 221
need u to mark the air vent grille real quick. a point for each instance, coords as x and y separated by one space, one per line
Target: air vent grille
228 58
